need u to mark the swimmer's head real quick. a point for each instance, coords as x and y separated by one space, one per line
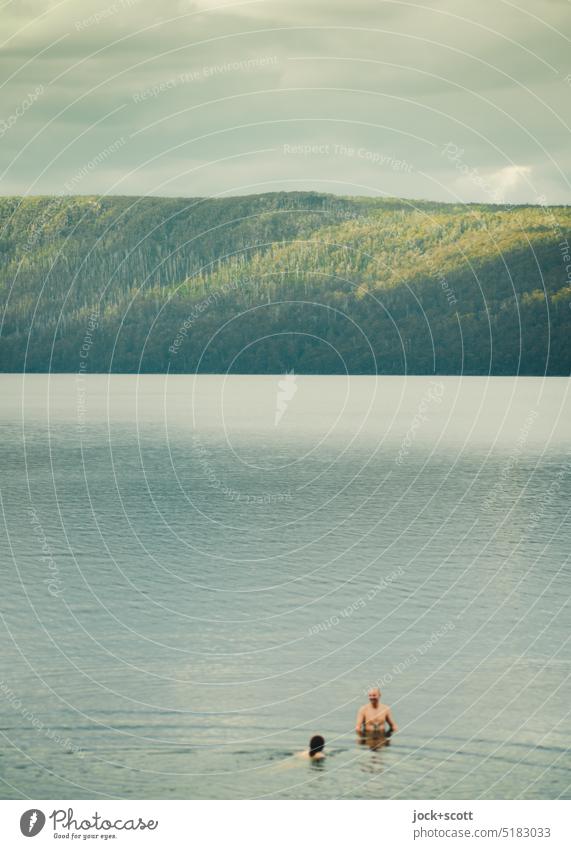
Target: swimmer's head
316 745
374 696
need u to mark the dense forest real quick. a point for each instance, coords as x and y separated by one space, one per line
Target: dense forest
280 281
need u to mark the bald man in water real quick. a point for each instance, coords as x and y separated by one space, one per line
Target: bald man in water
374 716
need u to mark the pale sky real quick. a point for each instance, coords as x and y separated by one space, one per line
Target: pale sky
454 101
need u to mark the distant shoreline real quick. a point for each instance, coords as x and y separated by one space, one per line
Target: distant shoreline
274 374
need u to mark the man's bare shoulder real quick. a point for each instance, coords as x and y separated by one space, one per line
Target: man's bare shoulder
379 709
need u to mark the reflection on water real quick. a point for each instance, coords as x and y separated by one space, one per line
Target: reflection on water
375 742
192 589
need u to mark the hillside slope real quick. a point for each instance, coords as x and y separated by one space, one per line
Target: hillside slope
281 281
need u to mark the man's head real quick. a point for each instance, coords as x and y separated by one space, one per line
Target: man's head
374 696
316 745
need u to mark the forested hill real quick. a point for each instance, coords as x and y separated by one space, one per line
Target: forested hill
282 281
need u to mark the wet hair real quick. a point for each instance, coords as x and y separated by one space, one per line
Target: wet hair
316 745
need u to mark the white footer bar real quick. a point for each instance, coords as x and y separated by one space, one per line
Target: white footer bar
287 824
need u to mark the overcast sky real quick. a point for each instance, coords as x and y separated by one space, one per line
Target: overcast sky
445 100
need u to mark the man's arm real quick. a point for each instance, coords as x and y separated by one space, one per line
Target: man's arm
391 722
360 720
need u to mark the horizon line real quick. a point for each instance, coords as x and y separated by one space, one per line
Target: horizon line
385 198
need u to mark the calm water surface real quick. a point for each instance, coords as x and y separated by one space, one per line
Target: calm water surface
198 574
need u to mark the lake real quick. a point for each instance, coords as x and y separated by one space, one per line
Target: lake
199 573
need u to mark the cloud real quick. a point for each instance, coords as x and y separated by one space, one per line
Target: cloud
386 77
507 179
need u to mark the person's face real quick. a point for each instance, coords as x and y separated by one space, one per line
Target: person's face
374 697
